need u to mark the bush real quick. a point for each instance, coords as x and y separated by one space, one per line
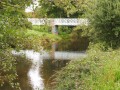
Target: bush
98 71
63 30
8 74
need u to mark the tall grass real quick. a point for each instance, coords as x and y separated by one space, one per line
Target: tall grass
98 71
42 28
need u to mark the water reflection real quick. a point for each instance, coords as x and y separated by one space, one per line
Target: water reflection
43 66
23 66
34 75
49 68
79 44
37 71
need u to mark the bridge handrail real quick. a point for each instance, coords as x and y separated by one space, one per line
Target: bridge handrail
59 21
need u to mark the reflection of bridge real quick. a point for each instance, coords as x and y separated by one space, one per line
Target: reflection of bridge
64 55
36 58
58 21
46 55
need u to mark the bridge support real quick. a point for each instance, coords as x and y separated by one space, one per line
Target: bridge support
55 29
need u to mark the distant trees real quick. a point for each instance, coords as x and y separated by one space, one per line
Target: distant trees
47 8
73 8
104 16
61 8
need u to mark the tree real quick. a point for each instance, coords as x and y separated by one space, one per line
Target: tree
12 25
104 18
61 8
12 20
47 8
73 8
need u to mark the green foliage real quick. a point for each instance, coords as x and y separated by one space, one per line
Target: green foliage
49 9
72 8
104 17
61 8
63 30
12 32
98 71
43 37
37 37
8 72
44 33
43 28
12 23
15 4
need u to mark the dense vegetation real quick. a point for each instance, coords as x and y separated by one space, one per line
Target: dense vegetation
104 19
43 33
60 9
13 26
100 69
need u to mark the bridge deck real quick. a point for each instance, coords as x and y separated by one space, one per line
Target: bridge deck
59 21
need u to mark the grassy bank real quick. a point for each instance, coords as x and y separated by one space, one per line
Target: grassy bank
38 36
43 35
100 70
44 32
64 32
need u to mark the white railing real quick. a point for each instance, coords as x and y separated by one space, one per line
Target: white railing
58 21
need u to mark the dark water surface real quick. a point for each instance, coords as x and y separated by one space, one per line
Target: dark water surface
36 72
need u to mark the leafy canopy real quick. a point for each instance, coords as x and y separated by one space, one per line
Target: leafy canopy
61 8
12 25
104 17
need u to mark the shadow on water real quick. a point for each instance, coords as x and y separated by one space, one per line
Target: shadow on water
49 68
79 44
23 65
73 47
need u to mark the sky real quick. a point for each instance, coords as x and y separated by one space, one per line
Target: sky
30 8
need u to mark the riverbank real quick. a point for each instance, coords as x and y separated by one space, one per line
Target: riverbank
38 36
43 32
64 32
99 70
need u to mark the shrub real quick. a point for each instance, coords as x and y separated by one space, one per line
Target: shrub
104 17
98 71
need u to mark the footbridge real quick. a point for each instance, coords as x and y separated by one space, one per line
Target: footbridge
55 22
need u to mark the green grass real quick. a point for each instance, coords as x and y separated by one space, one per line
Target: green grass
64 32
42 35
42 28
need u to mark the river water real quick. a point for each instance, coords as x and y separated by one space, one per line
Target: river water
36 69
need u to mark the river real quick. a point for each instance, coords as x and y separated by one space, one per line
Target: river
36 69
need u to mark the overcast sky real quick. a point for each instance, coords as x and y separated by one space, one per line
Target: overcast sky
30 8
